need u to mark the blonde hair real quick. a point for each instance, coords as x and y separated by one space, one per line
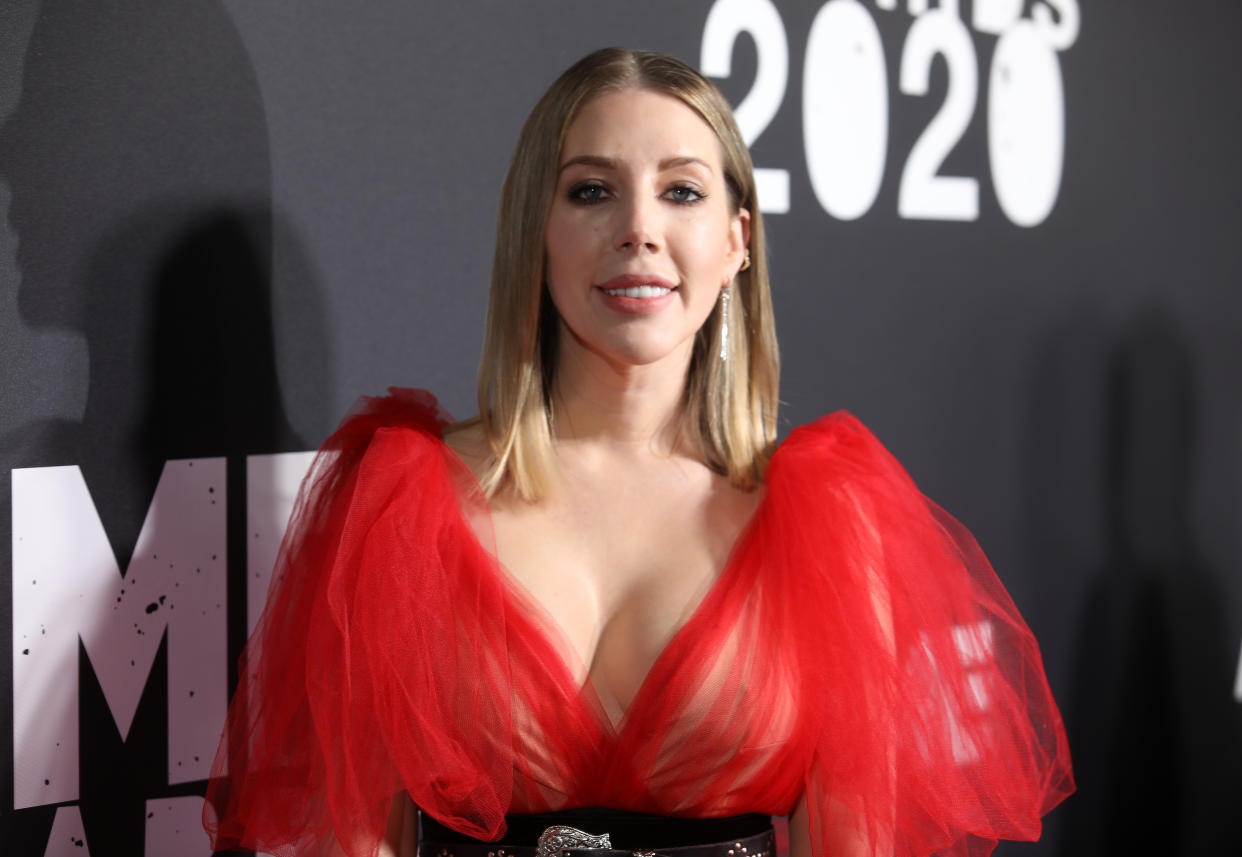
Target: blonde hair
730 405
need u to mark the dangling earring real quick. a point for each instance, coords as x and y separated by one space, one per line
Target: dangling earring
724 311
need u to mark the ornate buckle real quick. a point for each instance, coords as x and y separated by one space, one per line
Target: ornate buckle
558 838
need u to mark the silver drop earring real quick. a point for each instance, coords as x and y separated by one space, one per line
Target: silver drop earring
724 310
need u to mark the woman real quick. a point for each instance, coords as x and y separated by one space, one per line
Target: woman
607 590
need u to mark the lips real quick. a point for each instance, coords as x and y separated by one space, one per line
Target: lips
637 294
626 282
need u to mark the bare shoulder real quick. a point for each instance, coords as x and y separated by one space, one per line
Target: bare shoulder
468 441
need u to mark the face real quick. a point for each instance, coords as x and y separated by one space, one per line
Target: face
641 237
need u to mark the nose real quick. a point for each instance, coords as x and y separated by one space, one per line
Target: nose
638 225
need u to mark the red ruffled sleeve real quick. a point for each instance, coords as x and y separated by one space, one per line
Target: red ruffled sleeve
378 664
927 722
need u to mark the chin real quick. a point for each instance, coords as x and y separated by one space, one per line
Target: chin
632 345
646 352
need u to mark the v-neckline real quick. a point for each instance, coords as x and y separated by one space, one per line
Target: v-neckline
552 633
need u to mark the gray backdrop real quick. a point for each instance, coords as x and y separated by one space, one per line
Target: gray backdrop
225 220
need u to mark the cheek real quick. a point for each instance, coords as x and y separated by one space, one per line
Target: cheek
568 242
706 246
566 264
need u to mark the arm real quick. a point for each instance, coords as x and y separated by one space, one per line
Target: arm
799 830
845 838
400 839
843 834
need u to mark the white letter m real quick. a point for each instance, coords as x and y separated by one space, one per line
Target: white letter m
67 586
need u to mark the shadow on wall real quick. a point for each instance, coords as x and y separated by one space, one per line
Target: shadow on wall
1152 724
139 170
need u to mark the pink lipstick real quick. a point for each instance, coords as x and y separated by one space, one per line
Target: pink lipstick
636 294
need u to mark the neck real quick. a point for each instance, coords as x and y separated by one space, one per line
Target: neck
629 408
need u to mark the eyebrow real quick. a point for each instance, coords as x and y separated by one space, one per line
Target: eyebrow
611 163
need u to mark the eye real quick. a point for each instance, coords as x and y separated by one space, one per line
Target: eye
588 192
684 194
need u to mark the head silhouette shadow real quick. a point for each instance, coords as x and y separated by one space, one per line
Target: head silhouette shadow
139 166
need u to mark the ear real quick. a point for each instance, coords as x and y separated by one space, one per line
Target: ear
739 242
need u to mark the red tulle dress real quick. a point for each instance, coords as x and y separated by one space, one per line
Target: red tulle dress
856 649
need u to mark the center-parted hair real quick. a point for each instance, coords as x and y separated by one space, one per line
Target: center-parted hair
730 405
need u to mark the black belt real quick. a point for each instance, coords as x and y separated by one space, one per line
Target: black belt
608 833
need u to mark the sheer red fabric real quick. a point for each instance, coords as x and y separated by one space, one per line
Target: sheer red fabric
856 649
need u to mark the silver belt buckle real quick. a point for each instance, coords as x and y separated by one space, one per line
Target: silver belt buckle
557 838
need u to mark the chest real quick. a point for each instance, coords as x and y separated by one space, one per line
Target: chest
618 569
